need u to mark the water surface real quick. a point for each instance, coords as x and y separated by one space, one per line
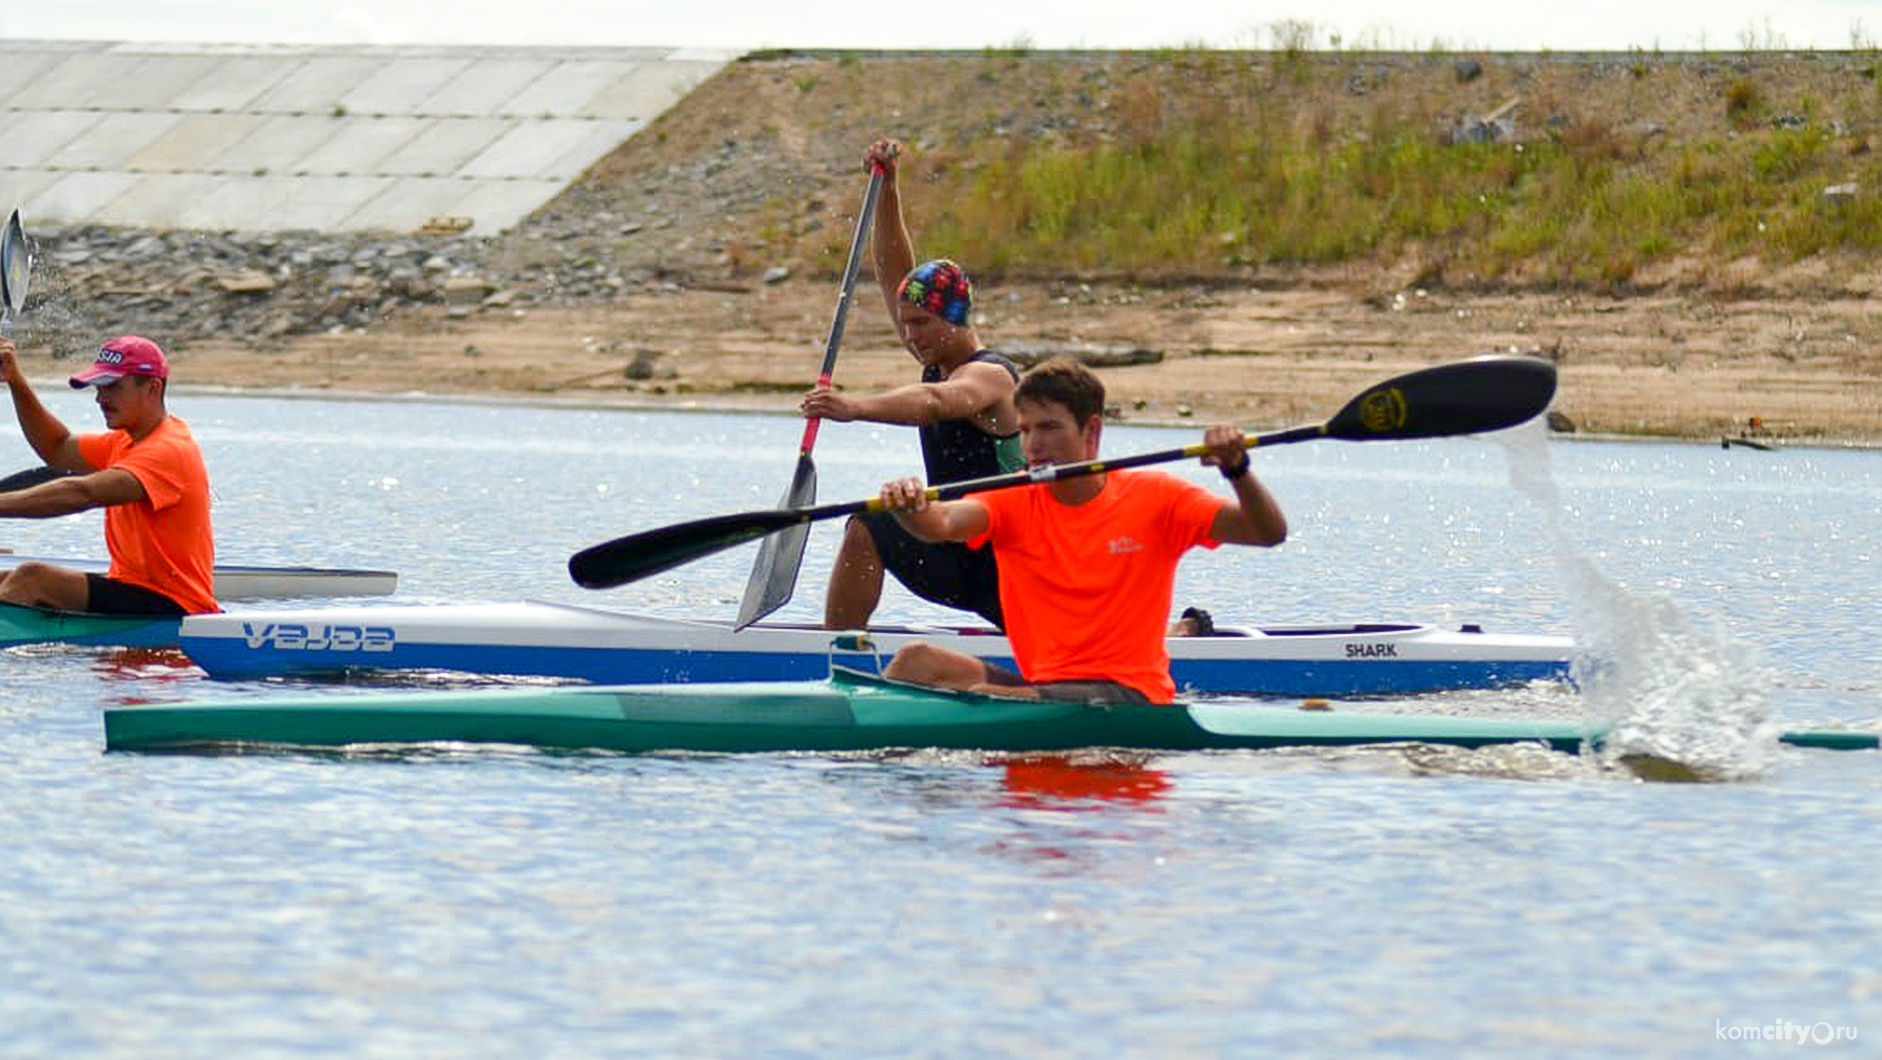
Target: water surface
1406 902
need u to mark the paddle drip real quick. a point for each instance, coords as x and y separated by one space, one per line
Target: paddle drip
1685 703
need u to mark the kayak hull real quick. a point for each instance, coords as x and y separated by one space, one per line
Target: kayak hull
846 712
242 581
608 647
32 625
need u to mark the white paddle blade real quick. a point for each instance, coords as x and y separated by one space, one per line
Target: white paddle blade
774 573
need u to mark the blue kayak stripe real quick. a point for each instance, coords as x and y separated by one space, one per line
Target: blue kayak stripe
231 658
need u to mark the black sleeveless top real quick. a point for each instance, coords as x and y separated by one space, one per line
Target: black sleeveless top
957 450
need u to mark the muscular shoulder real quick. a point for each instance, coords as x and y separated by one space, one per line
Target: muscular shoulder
998 359
976 390
996 375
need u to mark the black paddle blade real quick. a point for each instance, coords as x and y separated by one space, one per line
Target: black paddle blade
1486 393
774 572
637 556
32 476
16 267
1480 394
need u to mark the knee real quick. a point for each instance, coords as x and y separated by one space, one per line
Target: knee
36 584
30 573
921 653
914 661
925 664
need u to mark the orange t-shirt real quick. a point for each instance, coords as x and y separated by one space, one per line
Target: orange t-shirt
1086 588
164 542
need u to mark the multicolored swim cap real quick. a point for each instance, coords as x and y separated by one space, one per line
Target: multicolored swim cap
942 288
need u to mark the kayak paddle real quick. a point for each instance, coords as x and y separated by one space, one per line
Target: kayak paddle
16 268
1464 397
774 572
30 477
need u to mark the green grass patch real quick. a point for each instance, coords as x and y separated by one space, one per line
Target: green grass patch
1183 181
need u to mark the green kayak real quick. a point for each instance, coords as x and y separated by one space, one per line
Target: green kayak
850 711
37 625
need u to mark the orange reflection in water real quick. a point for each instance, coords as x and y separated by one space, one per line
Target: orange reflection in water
1054 781
162 666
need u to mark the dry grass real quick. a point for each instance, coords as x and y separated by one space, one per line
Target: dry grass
1625 172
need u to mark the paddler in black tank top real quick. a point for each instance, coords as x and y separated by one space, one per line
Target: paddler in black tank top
963 407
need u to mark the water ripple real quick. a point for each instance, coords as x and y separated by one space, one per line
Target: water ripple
1399 901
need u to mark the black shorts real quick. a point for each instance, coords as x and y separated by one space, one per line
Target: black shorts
109 597
1089 692
1068 691
948 574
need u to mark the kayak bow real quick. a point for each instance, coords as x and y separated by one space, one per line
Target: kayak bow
33 625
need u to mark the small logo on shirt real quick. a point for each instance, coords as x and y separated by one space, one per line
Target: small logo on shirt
1121 545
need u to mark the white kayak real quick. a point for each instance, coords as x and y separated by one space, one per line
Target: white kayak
541 639
239 581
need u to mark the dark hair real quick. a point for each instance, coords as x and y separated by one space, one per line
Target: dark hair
1065 382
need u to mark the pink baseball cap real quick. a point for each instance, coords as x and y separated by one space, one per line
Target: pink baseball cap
122 356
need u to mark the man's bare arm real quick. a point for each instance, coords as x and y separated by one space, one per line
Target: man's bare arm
79 493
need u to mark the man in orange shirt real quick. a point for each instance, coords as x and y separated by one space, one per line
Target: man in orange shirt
1087 564
145 471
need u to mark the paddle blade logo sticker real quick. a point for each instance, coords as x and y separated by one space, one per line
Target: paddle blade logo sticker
1383 410
16 272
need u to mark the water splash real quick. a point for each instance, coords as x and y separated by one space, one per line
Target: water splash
1681 702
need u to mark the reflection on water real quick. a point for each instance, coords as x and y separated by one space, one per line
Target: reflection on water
1068 783
134 676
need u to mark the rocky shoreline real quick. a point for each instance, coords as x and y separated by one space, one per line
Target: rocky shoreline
261 288
443 315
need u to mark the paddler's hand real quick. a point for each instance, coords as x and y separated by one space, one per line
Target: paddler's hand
823 403
882 155
9 362
904 495
1228 448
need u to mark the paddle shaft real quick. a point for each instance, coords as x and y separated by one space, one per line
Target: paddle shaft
637 556
861 236
1463 397
774 570
1054 472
